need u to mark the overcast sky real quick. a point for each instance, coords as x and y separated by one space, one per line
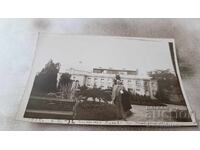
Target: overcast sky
87 52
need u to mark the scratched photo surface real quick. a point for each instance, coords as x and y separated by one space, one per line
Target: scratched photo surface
105 80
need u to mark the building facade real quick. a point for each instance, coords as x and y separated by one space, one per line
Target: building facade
103 78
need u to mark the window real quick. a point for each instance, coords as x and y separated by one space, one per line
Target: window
101 86
145 83
130 90
123 73
89 80
146 92
95 85
109 87
102 80
138 83
154 93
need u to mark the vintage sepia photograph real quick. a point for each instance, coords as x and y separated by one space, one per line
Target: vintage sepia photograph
105 80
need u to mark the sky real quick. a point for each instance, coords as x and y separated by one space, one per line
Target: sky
88 52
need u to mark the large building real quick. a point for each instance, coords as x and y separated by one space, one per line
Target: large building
103 78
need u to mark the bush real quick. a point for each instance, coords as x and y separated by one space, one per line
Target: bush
105 95
144 100
98 93
88 110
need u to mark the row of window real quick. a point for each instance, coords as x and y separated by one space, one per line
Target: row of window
109 79
102 86
138 82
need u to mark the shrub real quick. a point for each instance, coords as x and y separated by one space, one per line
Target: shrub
88 110
104 95
144 100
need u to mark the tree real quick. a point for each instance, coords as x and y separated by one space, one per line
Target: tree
168 86
46 80
64 84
